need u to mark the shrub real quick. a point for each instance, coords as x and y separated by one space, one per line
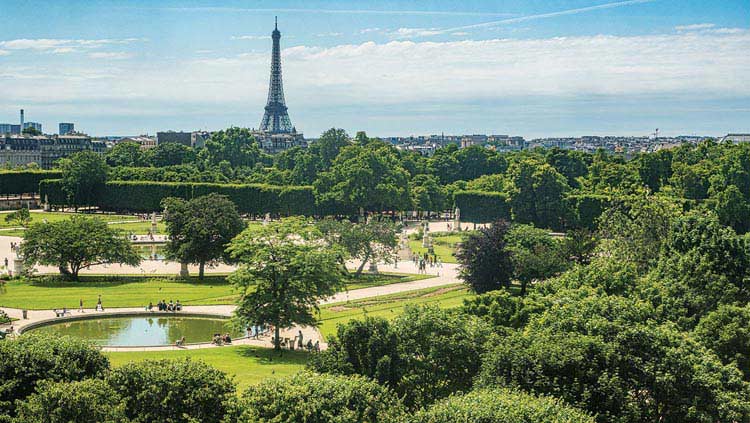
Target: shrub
501 406
25 181
482 207
319 398
34 358
88 401
172 391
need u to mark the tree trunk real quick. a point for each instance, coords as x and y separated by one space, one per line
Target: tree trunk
362 266
277 341
523 288
201 269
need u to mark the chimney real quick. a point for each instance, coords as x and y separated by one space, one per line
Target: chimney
21 119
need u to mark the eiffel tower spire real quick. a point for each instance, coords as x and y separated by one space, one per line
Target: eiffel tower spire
276 119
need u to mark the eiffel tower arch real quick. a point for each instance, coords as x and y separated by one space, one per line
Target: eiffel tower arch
276 119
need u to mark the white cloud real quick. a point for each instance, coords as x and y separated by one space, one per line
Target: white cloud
369 74
459 33
414 32
330 34
251 37
369 30
110 55
694 27
4 52
60 46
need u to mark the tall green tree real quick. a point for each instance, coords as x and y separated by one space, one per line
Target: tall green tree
366 177
169 154
535 255
83 173
427 193
200 229
536 194
127 153
234 145
76 243
286 267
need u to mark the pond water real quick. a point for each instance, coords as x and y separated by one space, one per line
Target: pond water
141 330
150 251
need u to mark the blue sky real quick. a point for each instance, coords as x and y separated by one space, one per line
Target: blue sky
523 67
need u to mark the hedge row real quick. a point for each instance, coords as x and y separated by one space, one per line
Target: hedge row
146 196
25 181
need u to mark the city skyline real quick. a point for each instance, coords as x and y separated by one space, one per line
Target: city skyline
560 68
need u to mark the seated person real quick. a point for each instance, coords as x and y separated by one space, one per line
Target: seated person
170 307
178 306
180 342
227 339
150 306
309 345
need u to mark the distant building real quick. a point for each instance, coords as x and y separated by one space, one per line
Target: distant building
35 125
66 128
17 150
736 138
184 138
9 128
198 138
276 143
145 141
475 139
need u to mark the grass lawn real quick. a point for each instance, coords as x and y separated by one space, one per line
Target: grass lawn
444 245
57 216
389 306
248 365
138 291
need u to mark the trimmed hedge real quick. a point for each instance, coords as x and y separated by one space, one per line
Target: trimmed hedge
25 181
146 196
481 206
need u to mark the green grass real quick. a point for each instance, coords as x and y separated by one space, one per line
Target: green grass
248 365
444 245
389 306
37 217
46 293
140 228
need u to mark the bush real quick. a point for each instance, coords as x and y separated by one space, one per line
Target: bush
172 391
32 358
25 181
501 406
88 401
319 398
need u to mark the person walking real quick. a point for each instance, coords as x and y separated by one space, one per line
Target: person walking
80 305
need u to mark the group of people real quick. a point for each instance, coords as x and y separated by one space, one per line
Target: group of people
220 339
425 260
163 305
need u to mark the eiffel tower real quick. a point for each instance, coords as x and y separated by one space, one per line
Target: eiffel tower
276 119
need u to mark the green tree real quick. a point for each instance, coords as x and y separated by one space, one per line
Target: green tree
169 154
87 401
328 146
172 391
571 164
366 177
286 267
74 244
367 347
127 153
427 194
726 331
733 209
20 217
536 194
200 229
485 260
371 241
634 228
579 245
33 358
234 145
535 255
316 398
501 406
495 183
83 174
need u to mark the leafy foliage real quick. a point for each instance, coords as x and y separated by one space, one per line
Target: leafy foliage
485 261
172 391
201 229
83 175
286 267
74 244
87 401
316 398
